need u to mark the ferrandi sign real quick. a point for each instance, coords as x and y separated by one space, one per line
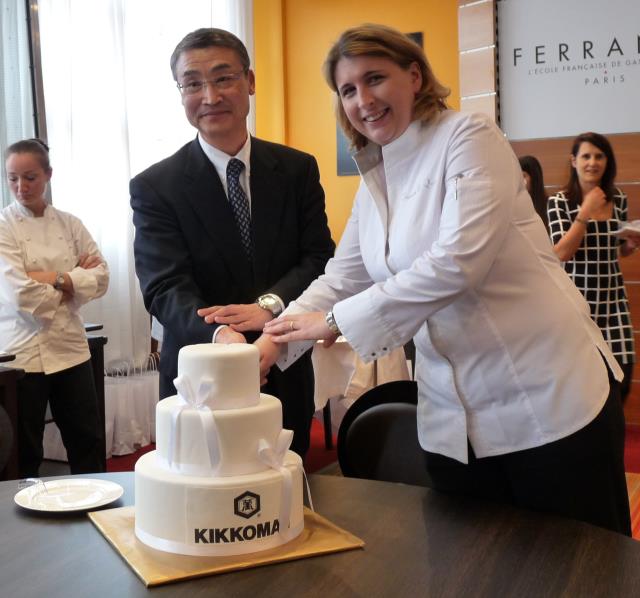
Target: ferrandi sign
568 66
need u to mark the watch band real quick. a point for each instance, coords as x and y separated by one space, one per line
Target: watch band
271 303
331 322
59 282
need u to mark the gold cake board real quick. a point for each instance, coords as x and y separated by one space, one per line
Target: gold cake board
155 567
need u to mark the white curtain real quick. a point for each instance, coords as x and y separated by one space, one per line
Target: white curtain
16 101
113 109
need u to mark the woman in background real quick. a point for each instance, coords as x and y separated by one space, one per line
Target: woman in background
583 220
534 181
50 267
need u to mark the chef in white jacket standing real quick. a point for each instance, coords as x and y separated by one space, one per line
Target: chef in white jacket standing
49 267
517 393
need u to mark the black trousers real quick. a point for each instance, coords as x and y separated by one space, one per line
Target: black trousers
74 407
580 476
625 385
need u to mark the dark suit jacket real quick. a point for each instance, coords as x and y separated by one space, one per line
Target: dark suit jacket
189 255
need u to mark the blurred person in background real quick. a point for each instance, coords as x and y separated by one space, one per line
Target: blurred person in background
583 221
534 181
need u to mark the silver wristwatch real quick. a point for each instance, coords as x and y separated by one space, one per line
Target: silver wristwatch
271 303
331 322
59 282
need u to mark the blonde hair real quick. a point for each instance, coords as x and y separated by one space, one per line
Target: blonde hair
379 40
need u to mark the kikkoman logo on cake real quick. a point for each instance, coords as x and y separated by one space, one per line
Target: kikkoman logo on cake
246 505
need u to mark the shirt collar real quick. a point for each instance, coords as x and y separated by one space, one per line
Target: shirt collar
26 212
398 150
220 159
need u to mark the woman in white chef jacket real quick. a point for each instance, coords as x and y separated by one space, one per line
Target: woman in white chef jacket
518 399
50 267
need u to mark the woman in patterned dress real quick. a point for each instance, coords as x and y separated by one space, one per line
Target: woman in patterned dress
582 221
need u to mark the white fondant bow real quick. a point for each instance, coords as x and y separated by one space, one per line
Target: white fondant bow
194 400
185 391
274 458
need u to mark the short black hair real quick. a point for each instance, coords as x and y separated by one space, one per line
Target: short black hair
207 38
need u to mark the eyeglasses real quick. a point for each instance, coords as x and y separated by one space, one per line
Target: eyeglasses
226 81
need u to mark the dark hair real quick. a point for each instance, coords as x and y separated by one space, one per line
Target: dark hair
208 38
531 166
572 189
379 40
31 146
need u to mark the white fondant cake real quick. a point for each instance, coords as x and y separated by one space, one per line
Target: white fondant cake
221 480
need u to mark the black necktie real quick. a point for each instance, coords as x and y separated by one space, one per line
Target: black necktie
239 203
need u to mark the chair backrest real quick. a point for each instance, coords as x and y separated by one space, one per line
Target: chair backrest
378 436
6 438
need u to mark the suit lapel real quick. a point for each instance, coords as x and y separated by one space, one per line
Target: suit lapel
268 196
205 193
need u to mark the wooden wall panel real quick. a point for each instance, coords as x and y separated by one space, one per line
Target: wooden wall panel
627 151
477 56
477 72
632 406
485 104
553 155
476 27
633 294
630 266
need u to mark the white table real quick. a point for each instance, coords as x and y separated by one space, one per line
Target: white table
341 377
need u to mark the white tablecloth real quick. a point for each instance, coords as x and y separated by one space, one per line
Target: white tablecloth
130 416
341 376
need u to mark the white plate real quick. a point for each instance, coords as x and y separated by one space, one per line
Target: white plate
629 229
71 494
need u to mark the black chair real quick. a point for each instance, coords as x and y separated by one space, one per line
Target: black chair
378 436
6 438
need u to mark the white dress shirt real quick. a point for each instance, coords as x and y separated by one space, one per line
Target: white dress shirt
443 246
220 160
44 332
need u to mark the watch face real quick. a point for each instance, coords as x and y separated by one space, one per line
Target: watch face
269 303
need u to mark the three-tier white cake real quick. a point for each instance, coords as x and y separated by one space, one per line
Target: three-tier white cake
221 480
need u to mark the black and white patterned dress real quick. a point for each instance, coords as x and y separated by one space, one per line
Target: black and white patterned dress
595 270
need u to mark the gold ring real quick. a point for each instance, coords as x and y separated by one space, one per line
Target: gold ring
291 326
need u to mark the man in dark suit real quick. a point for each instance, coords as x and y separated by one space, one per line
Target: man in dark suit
230 228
